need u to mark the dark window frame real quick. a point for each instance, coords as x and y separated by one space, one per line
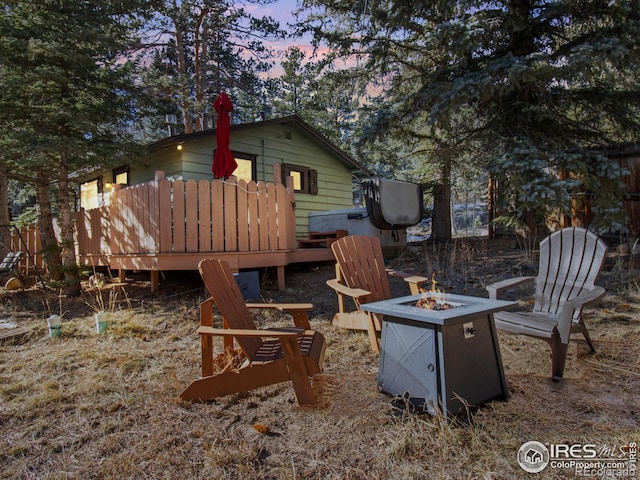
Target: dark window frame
308 178
78 196
246 156
254 162
117 171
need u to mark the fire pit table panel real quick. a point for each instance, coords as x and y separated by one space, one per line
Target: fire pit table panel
441 358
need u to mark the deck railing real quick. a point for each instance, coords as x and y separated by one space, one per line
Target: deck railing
181 220
93 232
178 216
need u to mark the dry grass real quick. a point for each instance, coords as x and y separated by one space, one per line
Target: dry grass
90 405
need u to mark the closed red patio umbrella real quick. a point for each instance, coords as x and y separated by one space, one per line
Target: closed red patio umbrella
223 162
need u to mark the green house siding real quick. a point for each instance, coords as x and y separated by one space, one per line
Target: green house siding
168 160
271 144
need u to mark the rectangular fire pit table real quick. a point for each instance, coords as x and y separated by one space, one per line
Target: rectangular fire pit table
441 358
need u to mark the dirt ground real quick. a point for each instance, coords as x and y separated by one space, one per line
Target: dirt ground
88 405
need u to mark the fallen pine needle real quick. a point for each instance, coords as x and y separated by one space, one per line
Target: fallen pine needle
611 367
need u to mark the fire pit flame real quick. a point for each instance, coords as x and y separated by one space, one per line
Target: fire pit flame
436 300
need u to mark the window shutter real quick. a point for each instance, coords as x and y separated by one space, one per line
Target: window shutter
313 182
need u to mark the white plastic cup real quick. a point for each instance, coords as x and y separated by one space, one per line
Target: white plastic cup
55 327
101 322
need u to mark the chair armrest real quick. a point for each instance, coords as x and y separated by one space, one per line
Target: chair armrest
356 293
495 289
414 281
283 307
242 332
576 303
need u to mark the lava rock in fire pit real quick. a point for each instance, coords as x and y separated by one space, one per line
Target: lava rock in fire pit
433 304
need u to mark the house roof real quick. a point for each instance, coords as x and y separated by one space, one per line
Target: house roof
351 163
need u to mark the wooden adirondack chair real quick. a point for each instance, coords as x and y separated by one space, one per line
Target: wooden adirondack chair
266 357
362 275
570 261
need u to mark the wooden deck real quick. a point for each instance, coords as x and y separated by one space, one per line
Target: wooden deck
163 225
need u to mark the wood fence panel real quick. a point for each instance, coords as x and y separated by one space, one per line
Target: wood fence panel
92 217
145 207
272 215
204 215
286 218
179 231
281 210
139 201
92 232
230 217
115 213
35 248
113 219
153 214
82 233
165 216
129 223
263 212
105 232
134 202
254 223
217 200
32 242
242 194
129 214
191 211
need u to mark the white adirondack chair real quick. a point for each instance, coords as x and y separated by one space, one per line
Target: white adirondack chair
570 261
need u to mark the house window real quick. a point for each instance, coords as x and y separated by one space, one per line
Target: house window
305 180
121 176
246 166
246 169
90 194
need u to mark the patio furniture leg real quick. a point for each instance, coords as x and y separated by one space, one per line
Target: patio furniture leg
558 356
281 283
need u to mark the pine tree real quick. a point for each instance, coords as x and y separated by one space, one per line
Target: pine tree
204 47
69 99
532 87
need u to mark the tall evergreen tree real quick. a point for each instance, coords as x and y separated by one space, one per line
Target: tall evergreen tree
531 86
68 102
204 47
292 87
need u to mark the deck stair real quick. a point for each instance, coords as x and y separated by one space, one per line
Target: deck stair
321 239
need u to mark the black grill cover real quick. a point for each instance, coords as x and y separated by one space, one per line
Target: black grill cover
392 204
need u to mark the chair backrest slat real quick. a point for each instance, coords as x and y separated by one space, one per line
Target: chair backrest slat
570 261
362 265
224 290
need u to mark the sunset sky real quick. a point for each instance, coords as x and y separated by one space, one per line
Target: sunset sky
281 11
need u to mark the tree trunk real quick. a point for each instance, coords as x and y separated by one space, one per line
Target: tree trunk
201 36
65 224
441 220
4 209
50 248
182 73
